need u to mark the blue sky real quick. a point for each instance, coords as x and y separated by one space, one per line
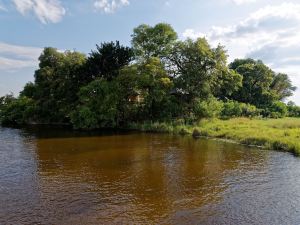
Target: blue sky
262 29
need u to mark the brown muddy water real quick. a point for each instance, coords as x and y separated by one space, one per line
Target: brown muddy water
62 177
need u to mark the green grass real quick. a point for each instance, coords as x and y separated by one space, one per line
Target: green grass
275 134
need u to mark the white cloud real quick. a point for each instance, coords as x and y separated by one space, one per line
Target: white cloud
110 6
271 33
14 57
47 11
191 33
11 65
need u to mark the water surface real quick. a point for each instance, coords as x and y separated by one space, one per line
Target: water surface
61 177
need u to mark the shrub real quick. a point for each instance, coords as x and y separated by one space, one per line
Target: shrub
84 118
293 109
211 108
237 109
16 111
277 110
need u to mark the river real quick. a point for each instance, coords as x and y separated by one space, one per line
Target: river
64 177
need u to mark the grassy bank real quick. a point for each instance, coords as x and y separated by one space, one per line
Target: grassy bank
276 134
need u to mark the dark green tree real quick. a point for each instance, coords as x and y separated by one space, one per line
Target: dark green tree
257 79
97 107
57 81
107 61
16 111
261 86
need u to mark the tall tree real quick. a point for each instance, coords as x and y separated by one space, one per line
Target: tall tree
282 86
57 81
154 41
261 85
151 82
107 60
201 71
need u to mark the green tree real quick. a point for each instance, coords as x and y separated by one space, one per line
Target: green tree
227 81
257 79
57 81
151 82
156 86
282 87
98 106
16 111
154 41
261 86
293 109
201 71
277 110
107 61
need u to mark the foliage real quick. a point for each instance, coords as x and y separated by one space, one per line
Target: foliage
261 86
282 87
107 61
56 83
154 41
97 107
237 109
277 110
158 80
293 109
210 108
200 70
15 111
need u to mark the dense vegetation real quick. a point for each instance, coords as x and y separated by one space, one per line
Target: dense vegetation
159 78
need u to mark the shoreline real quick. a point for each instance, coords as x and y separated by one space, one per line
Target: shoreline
270 134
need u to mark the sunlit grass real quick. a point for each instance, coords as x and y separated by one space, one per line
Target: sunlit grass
276 134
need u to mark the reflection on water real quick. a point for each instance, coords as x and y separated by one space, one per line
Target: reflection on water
62 177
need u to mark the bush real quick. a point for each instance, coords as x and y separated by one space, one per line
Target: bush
84 118
211 108
16 111
293 109
238 109
98 106
277 110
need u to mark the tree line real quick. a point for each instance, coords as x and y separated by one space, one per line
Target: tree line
158 78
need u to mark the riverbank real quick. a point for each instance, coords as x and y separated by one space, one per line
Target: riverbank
273 134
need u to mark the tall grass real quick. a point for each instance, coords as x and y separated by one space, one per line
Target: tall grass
276 134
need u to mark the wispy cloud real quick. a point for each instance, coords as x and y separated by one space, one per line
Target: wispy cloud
14 57
110 6
47 11
272 34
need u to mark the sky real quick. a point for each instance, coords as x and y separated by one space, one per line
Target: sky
261 29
